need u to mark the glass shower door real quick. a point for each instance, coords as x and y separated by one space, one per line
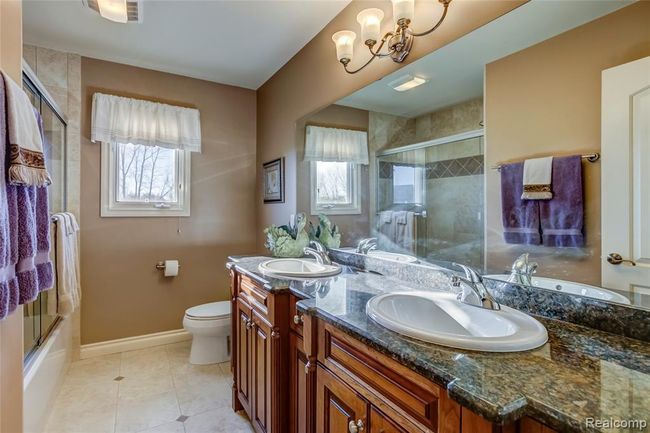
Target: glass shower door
455 202
442 184
38 321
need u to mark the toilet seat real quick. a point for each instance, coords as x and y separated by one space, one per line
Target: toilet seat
210 311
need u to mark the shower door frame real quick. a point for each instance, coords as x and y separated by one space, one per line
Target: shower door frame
34 84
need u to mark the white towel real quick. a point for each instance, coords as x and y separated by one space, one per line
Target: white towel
68 276
401 217
537 179
385 216
400 232
26 159
405 230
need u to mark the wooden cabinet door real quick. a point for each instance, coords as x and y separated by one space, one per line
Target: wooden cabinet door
380 423
301 388
262 362
243 356
338 408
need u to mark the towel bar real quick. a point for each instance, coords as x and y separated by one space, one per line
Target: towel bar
590 157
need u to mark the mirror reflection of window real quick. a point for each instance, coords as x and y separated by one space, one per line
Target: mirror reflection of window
336 156
408 184
335 187
333 183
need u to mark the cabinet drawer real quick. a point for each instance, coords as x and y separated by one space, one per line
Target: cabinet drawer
398 385
296 318
256 296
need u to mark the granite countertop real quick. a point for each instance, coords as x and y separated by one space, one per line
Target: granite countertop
578 375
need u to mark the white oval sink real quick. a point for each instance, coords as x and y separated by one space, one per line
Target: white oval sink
571 288
438 317
396 257
298 268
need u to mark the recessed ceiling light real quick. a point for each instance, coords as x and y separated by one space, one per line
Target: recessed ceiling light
119 11
114 10
407 82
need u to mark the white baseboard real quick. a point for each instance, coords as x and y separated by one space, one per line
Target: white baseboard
134 343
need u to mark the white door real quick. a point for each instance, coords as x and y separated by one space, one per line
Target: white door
626 177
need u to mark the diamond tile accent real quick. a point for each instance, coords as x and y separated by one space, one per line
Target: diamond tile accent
467 166
385 170
119 378
182 418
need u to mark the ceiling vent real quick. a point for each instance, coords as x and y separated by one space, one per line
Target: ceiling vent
133 9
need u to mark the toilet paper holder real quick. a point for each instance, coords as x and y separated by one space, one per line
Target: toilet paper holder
161 266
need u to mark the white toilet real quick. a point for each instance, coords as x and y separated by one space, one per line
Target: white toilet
209 325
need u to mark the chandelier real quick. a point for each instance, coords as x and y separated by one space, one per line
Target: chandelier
398 42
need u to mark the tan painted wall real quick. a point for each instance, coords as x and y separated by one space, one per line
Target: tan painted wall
353 227
11 328
313 79
124 295
546 100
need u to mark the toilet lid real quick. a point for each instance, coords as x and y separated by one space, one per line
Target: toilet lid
211 310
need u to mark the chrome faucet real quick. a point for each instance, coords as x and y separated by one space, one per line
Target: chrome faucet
522 271
472 283
319 252
366 245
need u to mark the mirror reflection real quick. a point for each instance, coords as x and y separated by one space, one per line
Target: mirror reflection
487 153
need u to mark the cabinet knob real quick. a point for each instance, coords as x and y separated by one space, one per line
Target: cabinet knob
249 324
355 427
617 259
297 319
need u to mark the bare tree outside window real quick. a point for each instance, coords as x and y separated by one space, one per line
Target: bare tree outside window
146 174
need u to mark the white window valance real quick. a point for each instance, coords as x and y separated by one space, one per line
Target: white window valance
116 119
333 144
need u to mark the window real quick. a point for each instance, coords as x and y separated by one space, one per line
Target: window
335 188
408 184
140 181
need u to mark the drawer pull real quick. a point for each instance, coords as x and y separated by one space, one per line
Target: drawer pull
355 427
297 319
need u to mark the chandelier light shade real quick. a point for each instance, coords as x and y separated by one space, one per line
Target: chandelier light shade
397 43
370 22
344 41
403 11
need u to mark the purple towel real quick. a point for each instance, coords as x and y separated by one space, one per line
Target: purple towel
25 266
520 217
562 218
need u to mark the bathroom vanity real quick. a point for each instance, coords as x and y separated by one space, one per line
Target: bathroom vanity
307 359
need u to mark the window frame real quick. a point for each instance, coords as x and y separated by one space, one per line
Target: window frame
352 208
419 185
110 207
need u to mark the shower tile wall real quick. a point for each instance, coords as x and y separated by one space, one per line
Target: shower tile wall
458 118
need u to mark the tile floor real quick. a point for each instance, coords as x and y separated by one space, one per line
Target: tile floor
152 390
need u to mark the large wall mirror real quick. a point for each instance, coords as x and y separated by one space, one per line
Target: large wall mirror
446 160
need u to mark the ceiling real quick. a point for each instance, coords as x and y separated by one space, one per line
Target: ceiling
242 43
455 72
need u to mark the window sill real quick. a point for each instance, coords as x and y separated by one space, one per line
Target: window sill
144 213
335 211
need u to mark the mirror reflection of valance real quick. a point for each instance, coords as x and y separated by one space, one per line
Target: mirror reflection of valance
336 145
116 119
